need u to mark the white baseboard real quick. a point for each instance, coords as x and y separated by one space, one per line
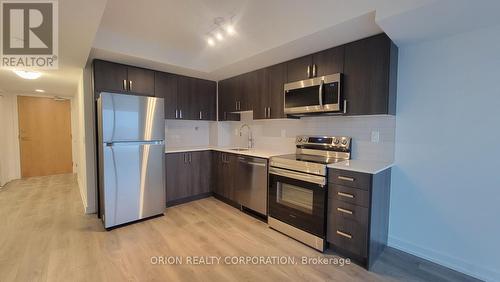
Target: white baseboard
446 260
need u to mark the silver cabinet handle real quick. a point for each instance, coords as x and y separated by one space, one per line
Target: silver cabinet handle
176 113
320 93
349 236
308 71
130 85
190 157
345 195
345 106
269 112
314 70
124 84
346 178
344 210
185 158
180 113
201 115
236 105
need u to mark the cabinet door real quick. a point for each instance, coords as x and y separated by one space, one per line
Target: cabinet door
141 81
231 176
257 91
329 61
186 97
217 173
227 100
166 87
110 77
177 176
201 167
205 99
366 76
297 69
276 82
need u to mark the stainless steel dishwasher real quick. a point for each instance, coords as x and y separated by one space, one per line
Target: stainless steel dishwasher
251 191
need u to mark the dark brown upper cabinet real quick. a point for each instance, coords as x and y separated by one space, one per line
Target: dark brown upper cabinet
205 91
299 69
326 62
166 87
370 75
227 90
269 101
186 97
120 78
329 61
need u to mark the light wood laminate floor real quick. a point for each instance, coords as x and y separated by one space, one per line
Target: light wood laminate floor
46 237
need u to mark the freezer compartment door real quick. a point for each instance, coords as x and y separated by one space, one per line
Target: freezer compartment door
134 181
131 118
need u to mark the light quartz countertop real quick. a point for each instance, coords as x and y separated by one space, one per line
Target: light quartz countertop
266 154
371 167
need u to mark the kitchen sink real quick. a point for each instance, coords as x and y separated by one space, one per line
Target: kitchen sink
239 149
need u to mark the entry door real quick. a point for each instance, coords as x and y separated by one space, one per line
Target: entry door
44 136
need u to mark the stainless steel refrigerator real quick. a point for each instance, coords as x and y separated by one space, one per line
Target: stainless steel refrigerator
131 150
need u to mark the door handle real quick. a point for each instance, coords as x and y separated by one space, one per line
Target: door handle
180 113
125 84
320 93
343 234
190 157
314 70
130 85
269 112
201 115
185 158
308 71
345 106
346 195
344 211
176 113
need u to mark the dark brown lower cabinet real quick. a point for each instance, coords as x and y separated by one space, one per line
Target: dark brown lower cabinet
358 214
224 173
188 176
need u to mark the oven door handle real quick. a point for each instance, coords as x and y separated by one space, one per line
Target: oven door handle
320 180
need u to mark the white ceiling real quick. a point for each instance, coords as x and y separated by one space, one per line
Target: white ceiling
78 23
170 35
173 32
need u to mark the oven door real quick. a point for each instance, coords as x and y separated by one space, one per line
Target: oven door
298 199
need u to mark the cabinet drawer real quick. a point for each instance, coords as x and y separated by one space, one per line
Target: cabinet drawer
352 212
349 195
350 178
348 231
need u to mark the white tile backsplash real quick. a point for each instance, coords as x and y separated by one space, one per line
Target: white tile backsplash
279 135
185 133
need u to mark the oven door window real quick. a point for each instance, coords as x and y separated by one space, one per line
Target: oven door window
298 203
295 197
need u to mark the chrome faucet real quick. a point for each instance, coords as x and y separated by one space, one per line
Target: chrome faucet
250 136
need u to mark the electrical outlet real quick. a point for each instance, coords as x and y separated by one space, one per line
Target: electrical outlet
283 133
375 136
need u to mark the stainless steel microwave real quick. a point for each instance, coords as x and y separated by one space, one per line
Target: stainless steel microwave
315 95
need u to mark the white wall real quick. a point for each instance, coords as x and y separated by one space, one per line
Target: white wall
86 142
446 183
279 135
10 168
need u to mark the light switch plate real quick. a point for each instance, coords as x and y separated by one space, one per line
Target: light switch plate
375 136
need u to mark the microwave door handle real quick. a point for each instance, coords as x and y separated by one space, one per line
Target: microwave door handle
320 94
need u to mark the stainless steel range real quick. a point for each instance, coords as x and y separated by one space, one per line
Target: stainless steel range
298 187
